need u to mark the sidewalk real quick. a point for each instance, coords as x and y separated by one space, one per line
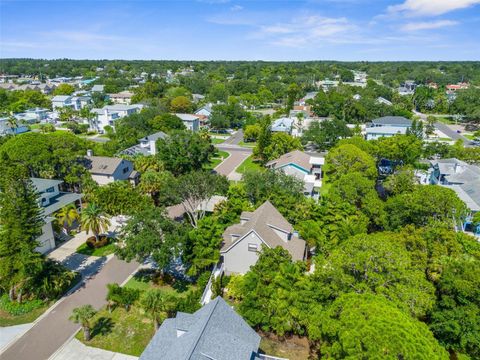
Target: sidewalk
75 349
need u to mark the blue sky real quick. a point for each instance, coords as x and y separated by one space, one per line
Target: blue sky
242 30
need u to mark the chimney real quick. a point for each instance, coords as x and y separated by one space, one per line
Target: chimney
89 152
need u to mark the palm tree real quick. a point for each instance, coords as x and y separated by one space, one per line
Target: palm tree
94 219
155 302
67 216
12 122
82 315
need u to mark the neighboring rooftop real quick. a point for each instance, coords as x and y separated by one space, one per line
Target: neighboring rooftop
61 98
265 221
296 157
103 165
187 117
392 121
43 184
215 331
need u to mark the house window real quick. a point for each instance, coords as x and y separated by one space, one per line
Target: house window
50 190
252 247
125 170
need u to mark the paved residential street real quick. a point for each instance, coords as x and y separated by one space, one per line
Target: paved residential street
444 128
237 156
54 329
234 139
451 133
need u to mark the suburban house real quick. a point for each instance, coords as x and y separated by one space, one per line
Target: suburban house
407 88
214 332
105 170
123 97
387 126
382 100
205 110
7 128
61 101
191 122
305 167
283 124
462 178
265 226
107 115
98 88
146 146
51 199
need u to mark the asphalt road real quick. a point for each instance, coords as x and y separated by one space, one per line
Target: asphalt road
52 331
447 130
452 133
237 154
235 138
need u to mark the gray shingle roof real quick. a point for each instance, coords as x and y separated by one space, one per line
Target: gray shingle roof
264 221
43 184
392 120
294 157
154 137
103 165
215 331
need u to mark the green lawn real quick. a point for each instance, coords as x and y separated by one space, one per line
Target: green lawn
143 281
10 320
103 251
216 159
120 331
249 164
247 144
217 140
470 136
445 120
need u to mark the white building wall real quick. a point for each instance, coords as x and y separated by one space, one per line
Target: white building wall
46 241
239 258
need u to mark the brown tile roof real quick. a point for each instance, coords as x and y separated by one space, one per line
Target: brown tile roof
263 221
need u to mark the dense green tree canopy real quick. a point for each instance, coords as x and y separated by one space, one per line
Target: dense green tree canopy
184 151
365 326
348 158
378 264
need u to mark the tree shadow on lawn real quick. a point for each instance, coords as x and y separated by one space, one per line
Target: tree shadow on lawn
103 326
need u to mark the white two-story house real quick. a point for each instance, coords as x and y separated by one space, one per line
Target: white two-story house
305 167
191 122
51 199
109 114
105 170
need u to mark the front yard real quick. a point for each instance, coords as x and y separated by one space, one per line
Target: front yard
216 159
127 332
249 164
7 319
102 251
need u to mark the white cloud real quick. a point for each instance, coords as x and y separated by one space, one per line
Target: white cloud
305 30
428 25
236 8
430 7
